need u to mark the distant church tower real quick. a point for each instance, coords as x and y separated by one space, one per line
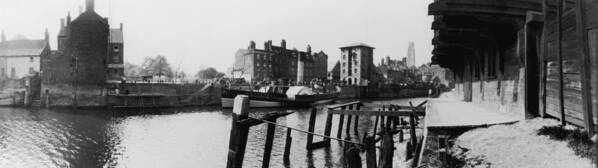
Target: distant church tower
411 55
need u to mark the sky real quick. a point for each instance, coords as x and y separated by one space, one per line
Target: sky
207 33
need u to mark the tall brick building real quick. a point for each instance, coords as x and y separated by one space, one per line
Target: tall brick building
357 64
278 62
89 54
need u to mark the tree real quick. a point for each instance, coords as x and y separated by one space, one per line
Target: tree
132 70
156 66
209 73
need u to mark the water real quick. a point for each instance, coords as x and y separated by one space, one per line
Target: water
196 137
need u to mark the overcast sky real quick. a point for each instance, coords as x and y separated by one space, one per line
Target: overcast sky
202 33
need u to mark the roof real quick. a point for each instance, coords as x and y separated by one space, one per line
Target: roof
22 48
357 44
116 36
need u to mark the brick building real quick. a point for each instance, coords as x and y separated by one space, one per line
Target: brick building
20 57
116 67
278 62
357 64
89 54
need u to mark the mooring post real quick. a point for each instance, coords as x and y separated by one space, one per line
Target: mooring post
287 147
376 126
356 125
341 119
238 132
412 126
401 135
387 151
348 129
47 100
352 157
370 151
328 127
311 127
268 146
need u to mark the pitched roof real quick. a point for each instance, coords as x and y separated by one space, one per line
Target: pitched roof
22 48
116 36
357 44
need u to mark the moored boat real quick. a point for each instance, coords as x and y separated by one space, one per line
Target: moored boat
279 96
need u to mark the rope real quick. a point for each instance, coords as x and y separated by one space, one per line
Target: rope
307 132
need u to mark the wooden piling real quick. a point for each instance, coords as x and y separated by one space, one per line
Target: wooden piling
356 125
287 147
238 133
352 157
387 151
370 151
311 127
412 126
348 129
376 126
339 133
328 127
268 145
401 135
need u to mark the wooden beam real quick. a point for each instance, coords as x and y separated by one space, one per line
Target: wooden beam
344 104
586 71
399 113
560 61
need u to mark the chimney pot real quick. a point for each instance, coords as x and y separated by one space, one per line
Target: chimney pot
89 5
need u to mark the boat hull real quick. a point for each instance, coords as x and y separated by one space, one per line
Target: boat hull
266 100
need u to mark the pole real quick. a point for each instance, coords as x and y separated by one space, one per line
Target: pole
287 147
268 146
238 133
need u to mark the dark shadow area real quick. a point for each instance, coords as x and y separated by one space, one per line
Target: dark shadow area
576 139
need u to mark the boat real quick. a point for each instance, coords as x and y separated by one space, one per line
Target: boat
279 96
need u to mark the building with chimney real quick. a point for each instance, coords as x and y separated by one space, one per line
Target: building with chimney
357 64
89 56
279 63
20 57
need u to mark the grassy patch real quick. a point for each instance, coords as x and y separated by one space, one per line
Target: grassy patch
577 140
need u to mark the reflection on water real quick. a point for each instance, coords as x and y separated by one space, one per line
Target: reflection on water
157 138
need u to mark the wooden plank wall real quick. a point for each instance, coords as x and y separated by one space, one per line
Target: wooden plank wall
571 61
591 19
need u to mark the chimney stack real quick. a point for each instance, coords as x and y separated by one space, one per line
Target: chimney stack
62 23
283 44
89 5
121 26
68 19
47 36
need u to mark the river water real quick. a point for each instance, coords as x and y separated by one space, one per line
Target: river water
189 137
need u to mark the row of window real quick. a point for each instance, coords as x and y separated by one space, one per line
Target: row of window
355 71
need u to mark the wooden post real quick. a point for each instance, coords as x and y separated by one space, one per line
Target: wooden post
401 135
560 60
370 151
268 145
387 151
376 126
311 127
586 72
356 125
238 133
287 147
412 126
339 133
352 157
328 127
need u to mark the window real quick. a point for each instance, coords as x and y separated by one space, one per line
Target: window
2 72
355 70
344 56
31 70
31 59
115 59
13 73
115 49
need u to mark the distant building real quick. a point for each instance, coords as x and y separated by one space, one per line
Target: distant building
278 62
411 55
20 57
357 67
393 71
335 73
116 67
89 55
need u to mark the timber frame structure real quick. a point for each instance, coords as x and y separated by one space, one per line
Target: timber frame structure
534 58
